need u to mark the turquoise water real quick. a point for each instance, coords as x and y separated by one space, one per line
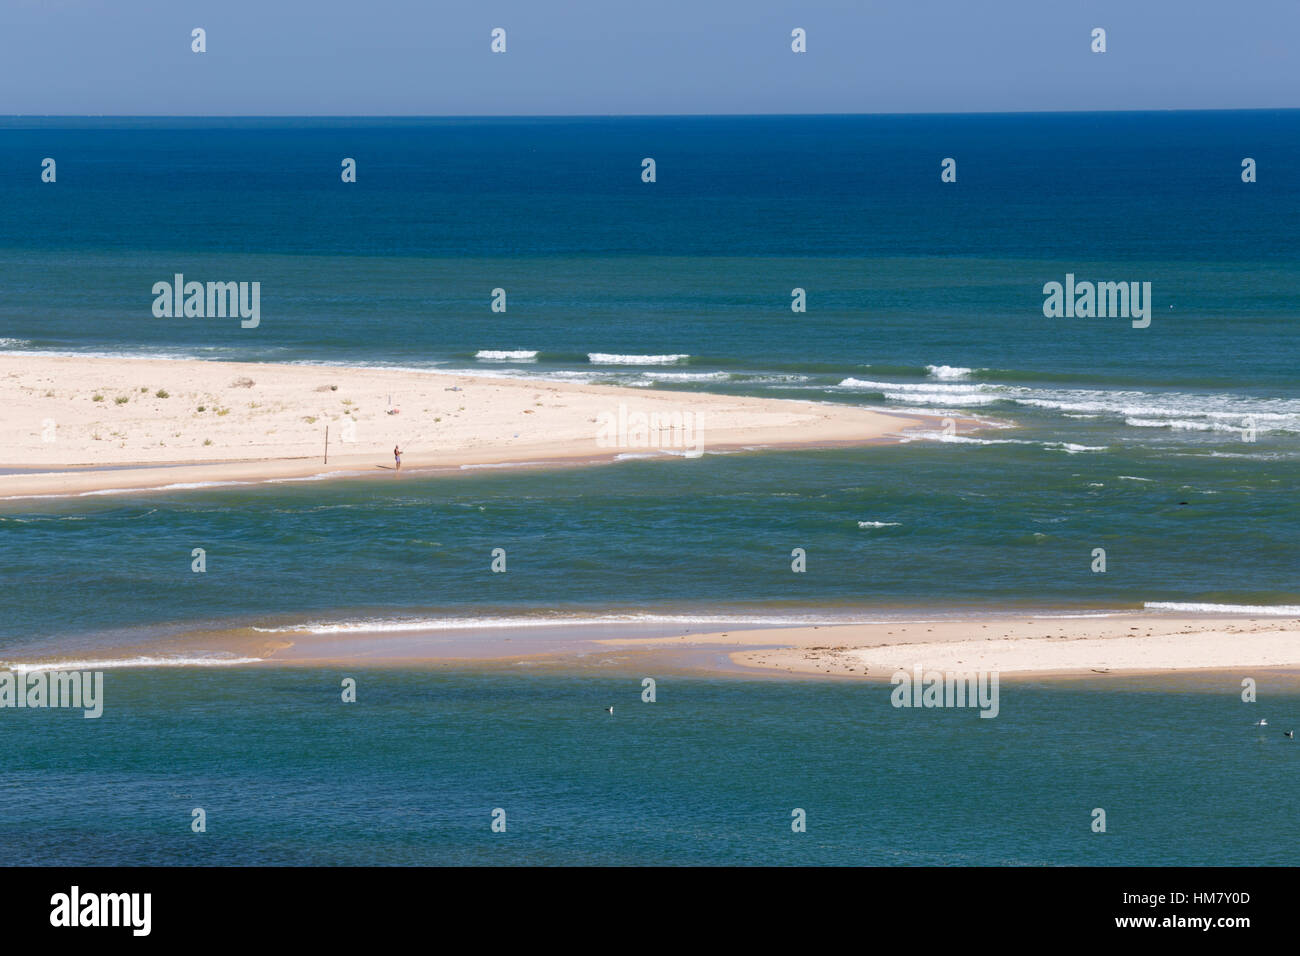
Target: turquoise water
921 296
710 773
969 526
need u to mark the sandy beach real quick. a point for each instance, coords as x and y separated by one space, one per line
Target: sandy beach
1047 645
1132 642
77 425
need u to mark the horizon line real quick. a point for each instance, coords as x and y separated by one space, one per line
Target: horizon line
538 116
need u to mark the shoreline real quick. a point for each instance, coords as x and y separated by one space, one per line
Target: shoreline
176 424
1029 646
1018 646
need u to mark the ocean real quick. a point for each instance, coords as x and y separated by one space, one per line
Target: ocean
711 773
1175 447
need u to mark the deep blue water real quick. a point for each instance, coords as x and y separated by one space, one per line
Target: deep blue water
902 271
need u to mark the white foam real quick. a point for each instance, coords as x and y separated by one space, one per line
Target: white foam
425 369
1176 410
879 524
779 378
911 435
864 384
1065 446
535 375
948 371
391 625
688 452
176 486
606 358
1271 610
685 376
499 464
224 353
506 355
1071 447
321 477
1256 456
1219 412
99 665
930 393
1183 424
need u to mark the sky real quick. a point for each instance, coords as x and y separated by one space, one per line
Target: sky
619 57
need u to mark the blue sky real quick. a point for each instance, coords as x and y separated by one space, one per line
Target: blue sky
426 57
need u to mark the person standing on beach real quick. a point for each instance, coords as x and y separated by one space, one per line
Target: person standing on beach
397 457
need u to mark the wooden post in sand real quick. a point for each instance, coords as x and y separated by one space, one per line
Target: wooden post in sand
327 444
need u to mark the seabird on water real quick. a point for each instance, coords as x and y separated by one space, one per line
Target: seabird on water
609 709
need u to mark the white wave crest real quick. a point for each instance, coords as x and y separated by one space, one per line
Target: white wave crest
1072 448
607 358
929 393
1185 411
1065 446
506 355
1183 424
1271 610
652 377
948 371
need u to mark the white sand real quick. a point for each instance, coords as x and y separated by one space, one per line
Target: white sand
205 419
1128 641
